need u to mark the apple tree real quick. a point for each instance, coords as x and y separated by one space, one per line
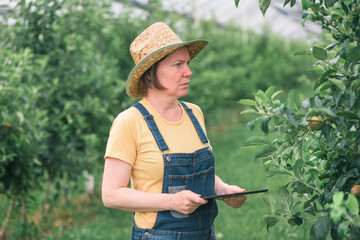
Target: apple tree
317 139
22 127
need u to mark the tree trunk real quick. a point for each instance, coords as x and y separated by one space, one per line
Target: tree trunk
89 184
66 187
7 219
46 196
23 209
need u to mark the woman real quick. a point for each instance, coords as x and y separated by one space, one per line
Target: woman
160 144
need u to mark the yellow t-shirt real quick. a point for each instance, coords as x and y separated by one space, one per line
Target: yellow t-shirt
131 141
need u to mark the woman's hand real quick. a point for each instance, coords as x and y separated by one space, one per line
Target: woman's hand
223 188
234 202
186 201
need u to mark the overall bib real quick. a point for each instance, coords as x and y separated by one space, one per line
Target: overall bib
183 171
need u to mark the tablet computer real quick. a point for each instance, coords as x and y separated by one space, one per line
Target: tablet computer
234 194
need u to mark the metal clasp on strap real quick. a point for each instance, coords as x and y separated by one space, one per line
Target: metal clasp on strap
167 155
148 117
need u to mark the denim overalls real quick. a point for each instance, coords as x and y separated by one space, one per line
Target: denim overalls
183 171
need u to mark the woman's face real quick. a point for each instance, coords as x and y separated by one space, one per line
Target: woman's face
174 74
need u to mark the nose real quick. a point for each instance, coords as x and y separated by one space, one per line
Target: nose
187 72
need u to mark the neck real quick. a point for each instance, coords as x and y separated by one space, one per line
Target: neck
166 106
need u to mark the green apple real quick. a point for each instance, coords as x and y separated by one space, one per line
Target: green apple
316 123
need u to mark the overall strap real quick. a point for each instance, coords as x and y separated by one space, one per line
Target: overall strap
152 126
195 122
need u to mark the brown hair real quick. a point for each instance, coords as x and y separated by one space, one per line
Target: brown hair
150 78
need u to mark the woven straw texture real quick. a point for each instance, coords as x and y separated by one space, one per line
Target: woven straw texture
154 43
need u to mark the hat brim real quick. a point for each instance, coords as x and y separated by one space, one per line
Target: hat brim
138 89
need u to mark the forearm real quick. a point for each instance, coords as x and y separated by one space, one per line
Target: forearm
116 194
220 186
128 199
224 188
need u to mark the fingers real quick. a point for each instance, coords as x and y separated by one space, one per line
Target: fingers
238 201
187 202
235 189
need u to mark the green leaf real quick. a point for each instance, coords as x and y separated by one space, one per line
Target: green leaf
286 2
262 96
354 55
337 213
324 77
257 141
305 4
319 53
349 115
248 110
270 201
338 198
338 83
321 228
270 222
285 199
298 168
294 100
344 228
302 53
264 4
264 152
265 124
322 87
352 204
248 102
276 171
330 3
340 182
291 117
297 149
296 220
275 94
270 91
237 3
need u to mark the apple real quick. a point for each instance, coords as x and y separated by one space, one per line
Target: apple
316 123
355 190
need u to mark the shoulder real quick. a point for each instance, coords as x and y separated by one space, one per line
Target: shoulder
127 118
128 115
195 108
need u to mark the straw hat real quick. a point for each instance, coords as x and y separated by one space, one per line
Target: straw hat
154 43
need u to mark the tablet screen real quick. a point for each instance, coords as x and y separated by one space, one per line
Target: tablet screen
234 194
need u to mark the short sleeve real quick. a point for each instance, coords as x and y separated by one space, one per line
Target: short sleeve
121 143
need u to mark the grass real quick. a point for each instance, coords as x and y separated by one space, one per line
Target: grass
84 218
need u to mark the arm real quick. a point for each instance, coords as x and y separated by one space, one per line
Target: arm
116 194
223 188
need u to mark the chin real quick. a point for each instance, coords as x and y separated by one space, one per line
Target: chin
183 94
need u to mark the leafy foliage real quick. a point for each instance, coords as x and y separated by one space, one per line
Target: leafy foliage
59 91
22 125
62 83
322 162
